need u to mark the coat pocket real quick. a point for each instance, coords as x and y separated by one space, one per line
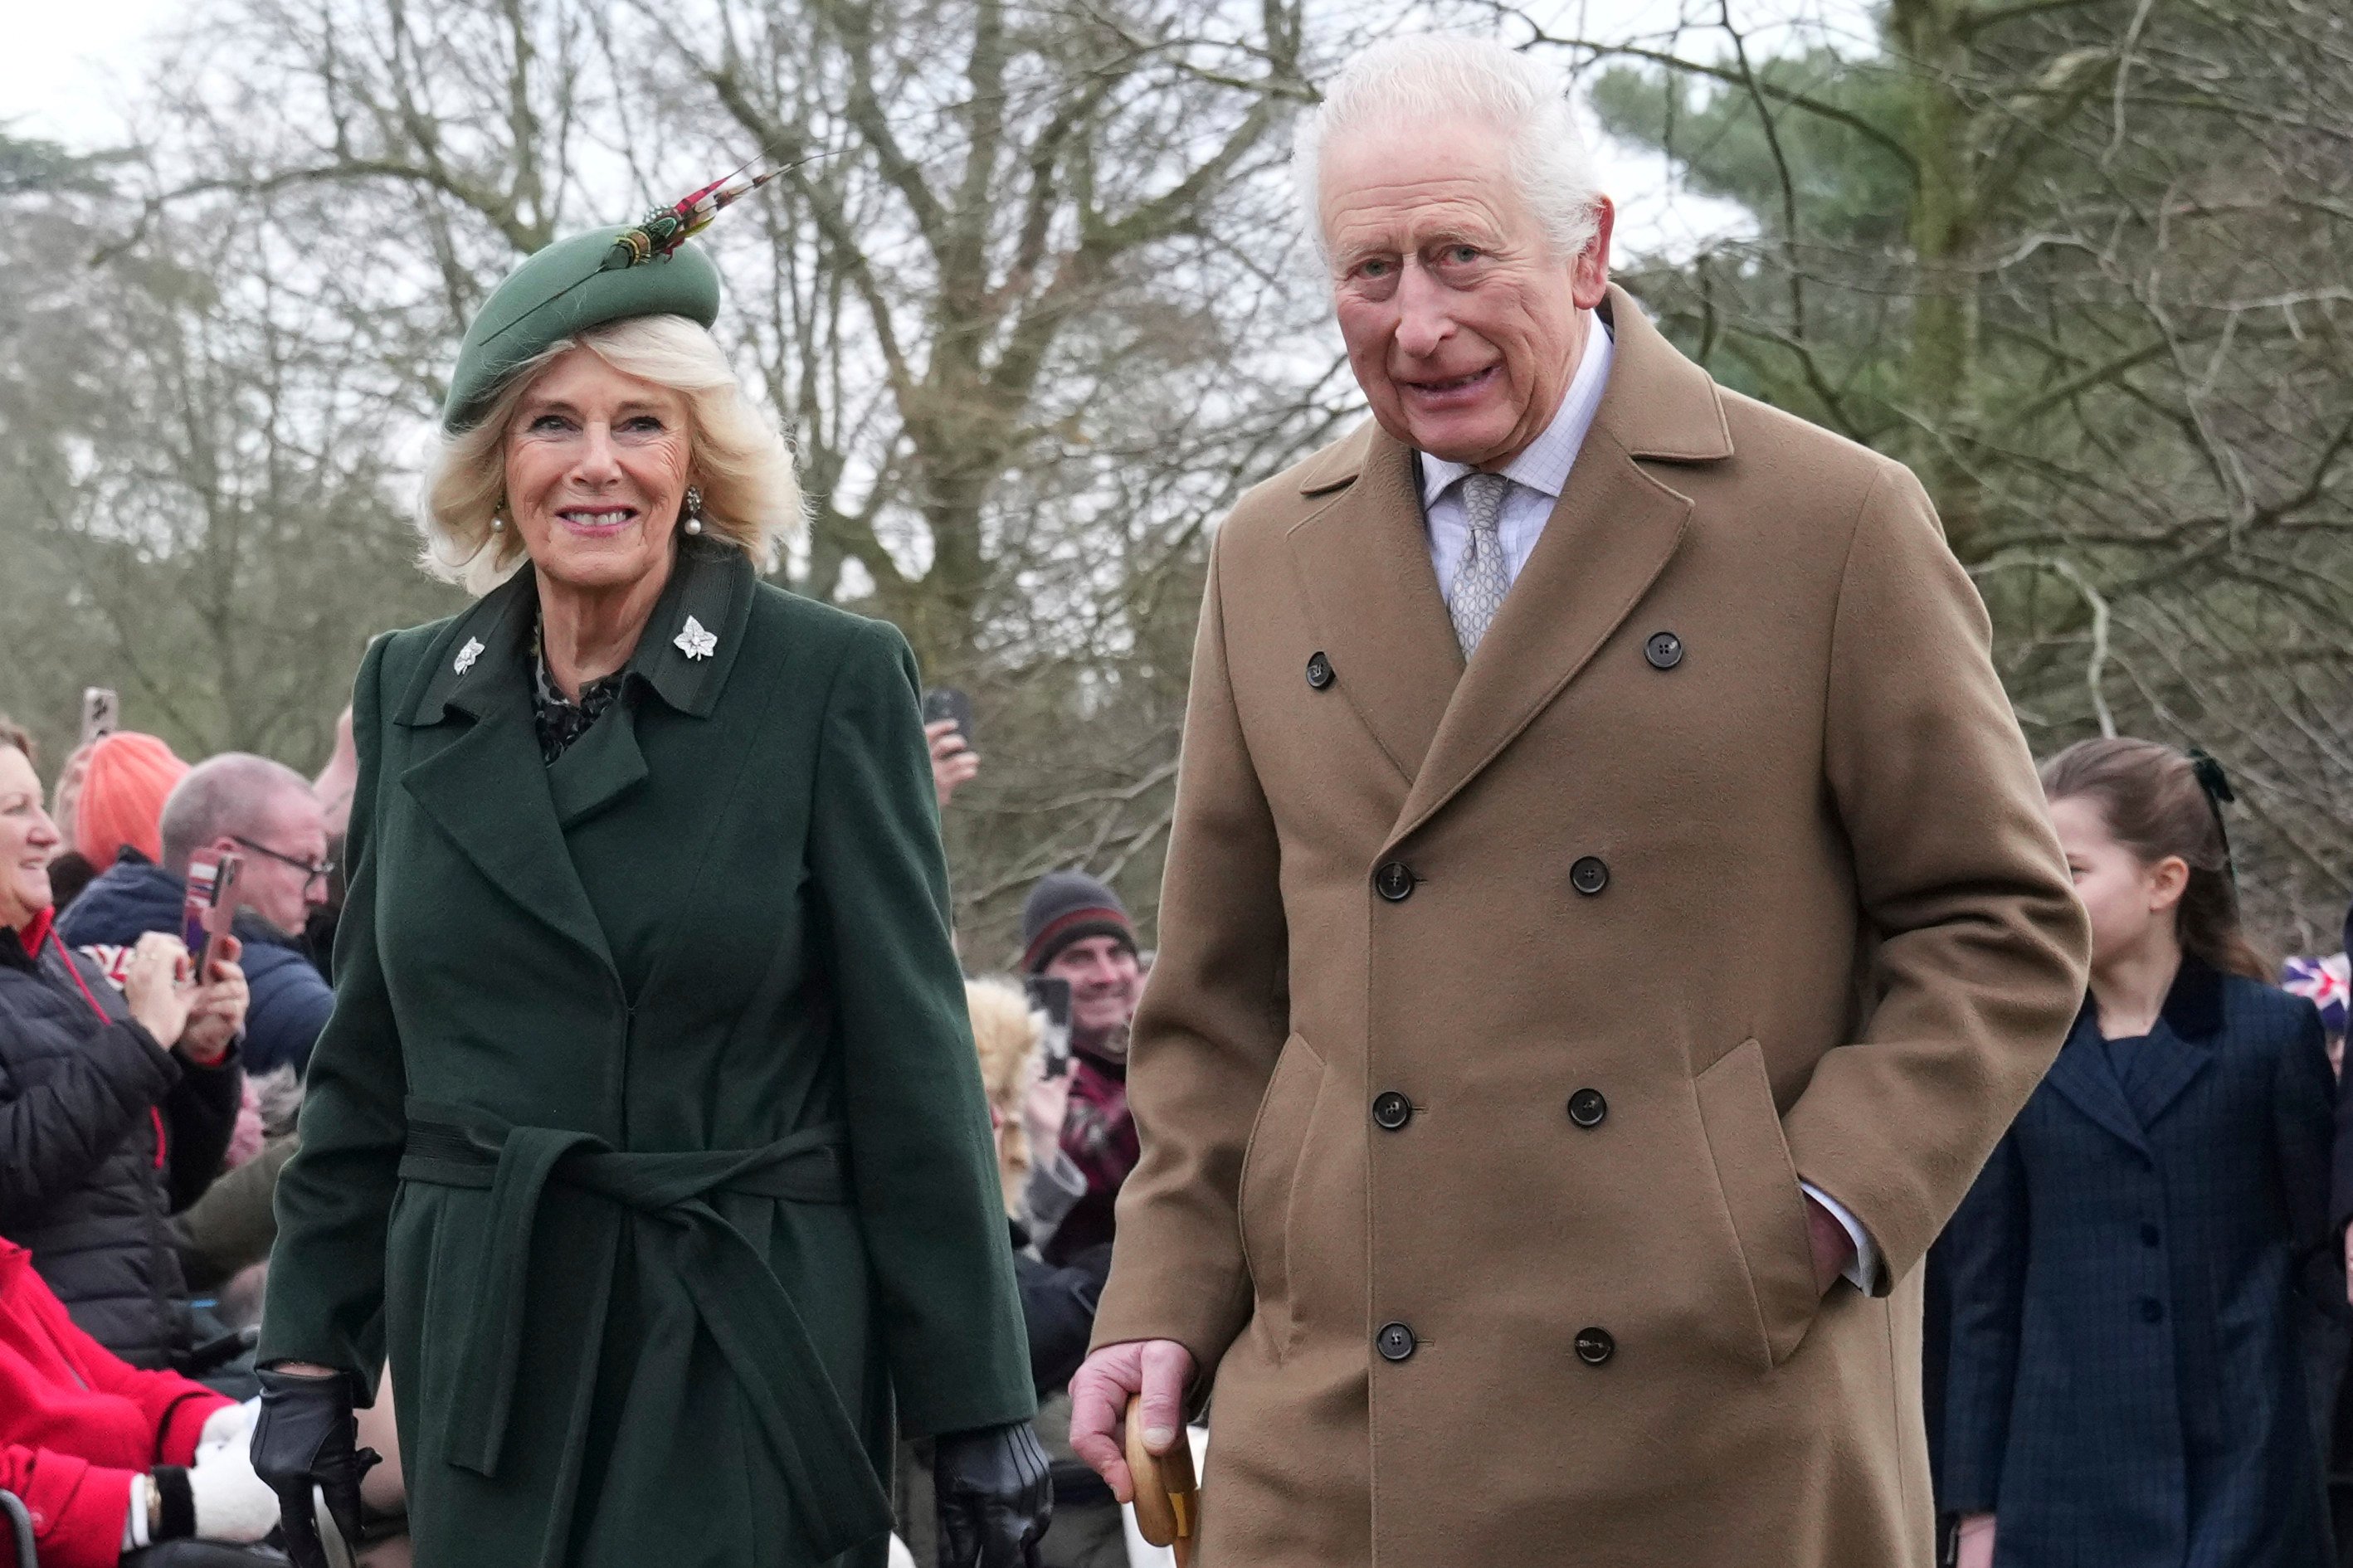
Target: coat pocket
1279 1136
1759 1183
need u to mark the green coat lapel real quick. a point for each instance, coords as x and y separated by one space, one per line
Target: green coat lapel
704 606
484 784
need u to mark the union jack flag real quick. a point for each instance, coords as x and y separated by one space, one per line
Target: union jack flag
2326 982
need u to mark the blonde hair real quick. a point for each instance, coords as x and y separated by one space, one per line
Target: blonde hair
1008 1034
738 458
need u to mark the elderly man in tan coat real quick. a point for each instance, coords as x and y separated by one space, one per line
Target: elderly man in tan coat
1610 917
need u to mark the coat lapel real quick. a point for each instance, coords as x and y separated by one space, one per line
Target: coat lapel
704 606
1363 569
2084 1075
486 787
1611 534
2182 1044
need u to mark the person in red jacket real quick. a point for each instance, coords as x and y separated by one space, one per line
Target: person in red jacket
110 1459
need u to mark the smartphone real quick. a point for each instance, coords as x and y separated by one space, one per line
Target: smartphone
946 702
210 907
102 713
1051 995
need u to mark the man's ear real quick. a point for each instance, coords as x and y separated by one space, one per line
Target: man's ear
1589 275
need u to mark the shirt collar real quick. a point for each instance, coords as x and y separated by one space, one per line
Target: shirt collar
1544 466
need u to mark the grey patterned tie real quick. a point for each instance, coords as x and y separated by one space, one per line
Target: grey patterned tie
1479 577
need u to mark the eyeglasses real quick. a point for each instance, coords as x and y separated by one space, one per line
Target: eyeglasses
312 871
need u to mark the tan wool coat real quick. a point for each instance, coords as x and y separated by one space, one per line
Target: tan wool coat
1498 1012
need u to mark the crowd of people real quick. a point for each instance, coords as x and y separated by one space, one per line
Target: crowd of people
591 1051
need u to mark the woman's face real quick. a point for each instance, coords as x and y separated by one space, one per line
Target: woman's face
27 840
596 465
2131 902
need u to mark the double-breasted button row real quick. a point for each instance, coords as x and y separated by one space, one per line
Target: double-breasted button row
1588 874
1664 649
1397 1342
1319 672
1391 1110
1394 881
1587 1108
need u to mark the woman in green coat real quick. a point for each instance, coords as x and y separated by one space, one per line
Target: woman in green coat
645 1138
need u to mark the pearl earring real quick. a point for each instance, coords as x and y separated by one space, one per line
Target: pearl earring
693 510
499 514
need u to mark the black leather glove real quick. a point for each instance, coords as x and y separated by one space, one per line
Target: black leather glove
996 1497
306 1437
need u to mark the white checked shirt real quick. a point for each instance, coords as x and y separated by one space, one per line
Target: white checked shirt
1538 475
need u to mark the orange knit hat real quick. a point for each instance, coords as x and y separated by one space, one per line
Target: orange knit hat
122 797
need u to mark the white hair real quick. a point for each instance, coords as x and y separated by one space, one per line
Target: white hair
1423 77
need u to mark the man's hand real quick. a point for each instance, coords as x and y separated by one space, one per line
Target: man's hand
1833 1247
954 762
1977 1542
1158 1370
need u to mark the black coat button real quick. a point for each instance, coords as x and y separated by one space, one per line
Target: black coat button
1395 1341
2152 1310
1394 881
1391 1110
1319 672
2150 1236
1588 876
1595 1346
1587 1108
1665 650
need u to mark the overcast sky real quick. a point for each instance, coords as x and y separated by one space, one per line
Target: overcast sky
79 59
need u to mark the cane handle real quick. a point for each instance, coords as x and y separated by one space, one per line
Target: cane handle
1168 1497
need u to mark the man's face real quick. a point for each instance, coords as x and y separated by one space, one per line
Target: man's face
1103 983
283 894
1463 326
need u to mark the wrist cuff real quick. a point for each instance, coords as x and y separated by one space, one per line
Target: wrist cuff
177 1504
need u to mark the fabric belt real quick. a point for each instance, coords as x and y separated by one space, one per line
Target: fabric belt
835 1495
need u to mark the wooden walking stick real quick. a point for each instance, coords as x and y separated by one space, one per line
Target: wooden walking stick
1168 1497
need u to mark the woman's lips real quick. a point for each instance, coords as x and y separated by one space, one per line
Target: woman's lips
597 521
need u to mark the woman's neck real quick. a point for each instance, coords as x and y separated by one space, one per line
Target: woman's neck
2130 987
586 634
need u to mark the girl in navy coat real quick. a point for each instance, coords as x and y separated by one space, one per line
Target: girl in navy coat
2126 1387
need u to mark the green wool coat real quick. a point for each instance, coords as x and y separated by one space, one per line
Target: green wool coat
646 1136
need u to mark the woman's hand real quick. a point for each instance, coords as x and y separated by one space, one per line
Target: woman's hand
160 1000
1977 1542
306 1437
217 1015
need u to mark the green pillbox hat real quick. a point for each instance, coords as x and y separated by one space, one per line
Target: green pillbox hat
584 281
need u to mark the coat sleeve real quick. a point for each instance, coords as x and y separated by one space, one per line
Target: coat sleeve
1212 1024
334 1196
922 1162
78 1508
53 1134
1984 1255
2304 1101
1979 945
201 1112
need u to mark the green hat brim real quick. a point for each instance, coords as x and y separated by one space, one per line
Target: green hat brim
564 290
